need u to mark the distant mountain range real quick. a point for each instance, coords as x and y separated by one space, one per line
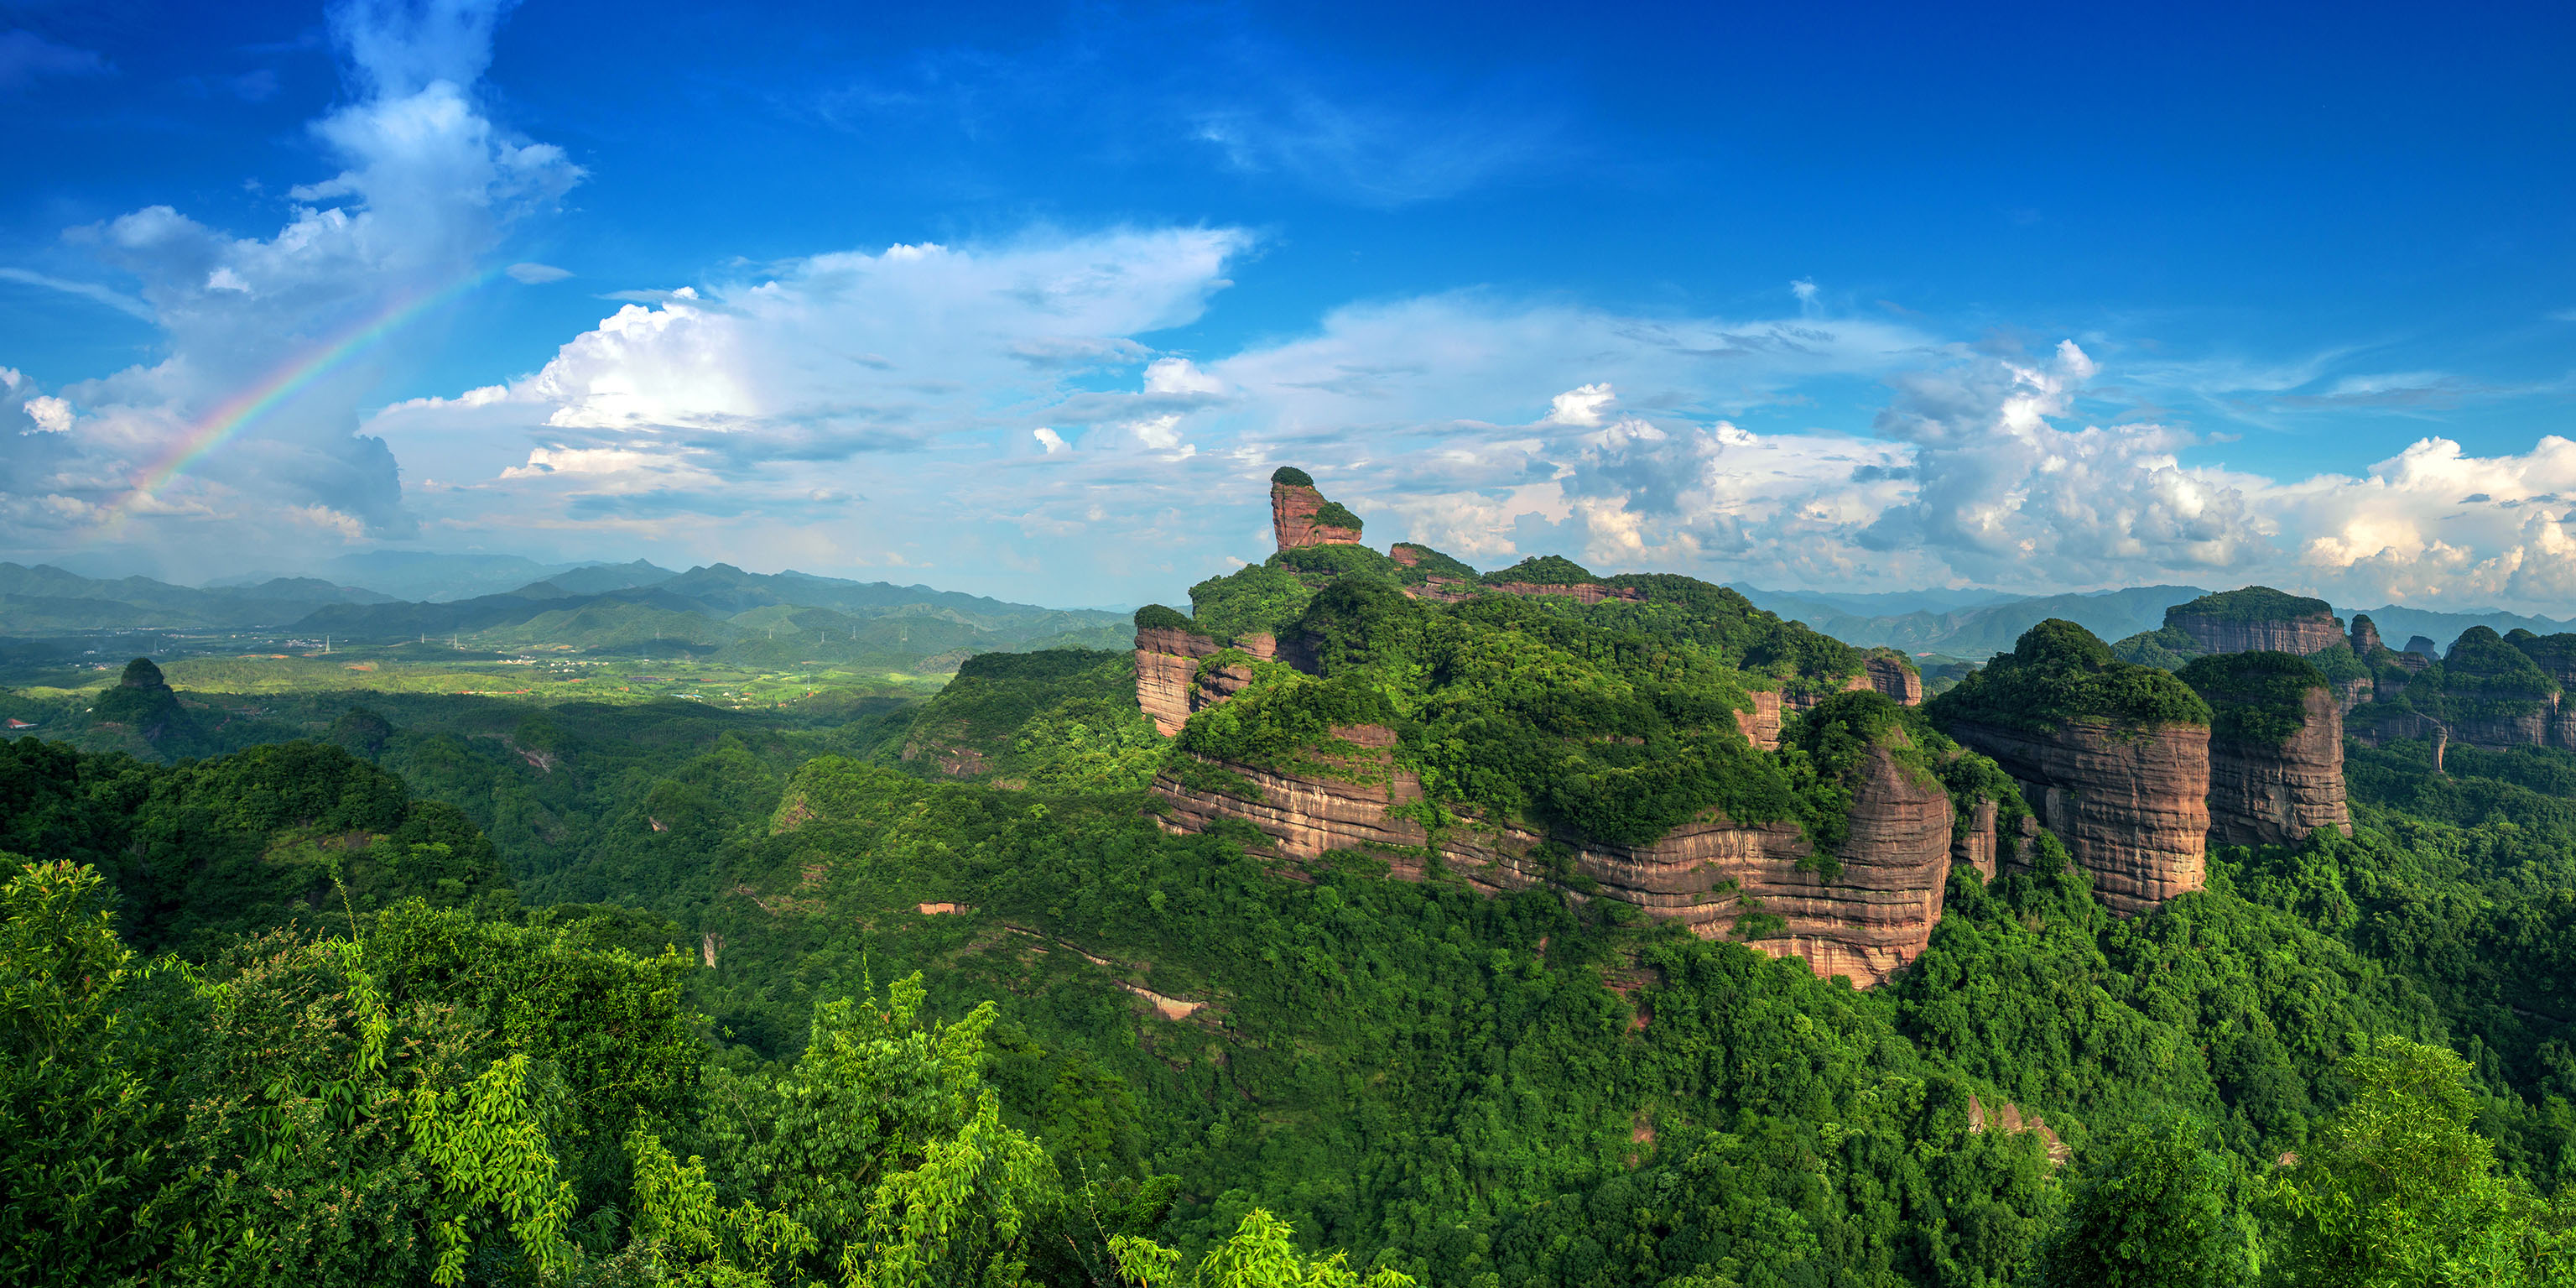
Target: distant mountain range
778 619
782 619
509 602
1987 623
45 600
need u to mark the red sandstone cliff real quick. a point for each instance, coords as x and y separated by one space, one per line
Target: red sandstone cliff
1292 519
2134 811
1167 663
2274 794
1873 918
1761 725
2298 635
1890 675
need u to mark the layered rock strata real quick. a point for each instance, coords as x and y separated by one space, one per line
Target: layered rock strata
1167 664
1866 923
2534 727
2313 633
2274 794
1292 519
1581 592
1895 679
2133 809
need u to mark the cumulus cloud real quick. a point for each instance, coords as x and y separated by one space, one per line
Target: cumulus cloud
2005 495
52 415
760 400
427 186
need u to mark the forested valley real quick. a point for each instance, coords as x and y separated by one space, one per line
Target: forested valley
454 989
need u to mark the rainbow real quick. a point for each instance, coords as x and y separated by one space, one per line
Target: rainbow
280 386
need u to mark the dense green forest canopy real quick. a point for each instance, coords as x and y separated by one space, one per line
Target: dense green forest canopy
428 988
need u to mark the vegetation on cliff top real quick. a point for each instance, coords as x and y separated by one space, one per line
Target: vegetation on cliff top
1291 476
1055 720
2255 697
1616 721
2250 604
1544 570
2059 672
1333 514
1156 617
1429 563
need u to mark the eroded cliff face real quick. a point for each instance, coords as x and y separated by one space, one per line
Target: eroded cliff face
1292 519
1866 923
2298 635
2276 794
1167 663
1974 846
1579 592
2528 728
2133 810
1761 725
1895 679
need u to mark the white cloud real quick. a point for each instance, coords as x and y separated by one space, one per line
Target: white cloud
52 415
1580 406
1049 440
536 274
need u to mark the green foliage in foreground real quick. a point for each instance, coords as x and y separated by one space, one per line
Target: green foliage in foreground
2058 673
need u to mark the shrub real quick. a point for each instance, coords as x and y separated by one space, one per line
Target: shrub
1291 476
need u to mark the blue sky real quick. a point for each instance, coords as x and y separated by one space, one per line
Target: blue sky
1028 299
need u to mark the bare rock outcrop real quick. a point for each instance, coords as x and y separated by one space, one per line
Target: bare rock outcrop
1891 676
2302 635
1294 511
1761 725
1866 922
2132 807
1974 846
1167 664
2276 793
2365 635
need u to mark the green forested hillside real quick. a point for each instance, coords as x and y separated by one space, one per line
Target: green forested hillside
590 993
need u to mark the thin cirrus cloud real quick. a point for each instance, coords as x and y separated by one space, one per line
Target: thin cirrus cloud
26 58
